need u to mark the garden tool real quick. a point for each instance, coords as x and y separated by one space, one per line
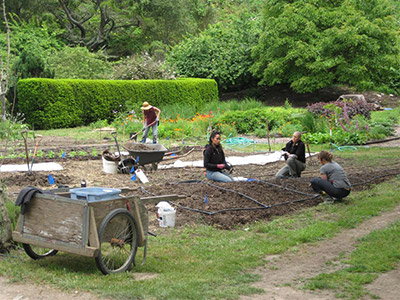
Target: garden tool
25 137
134 136
311 162
37 139
124 169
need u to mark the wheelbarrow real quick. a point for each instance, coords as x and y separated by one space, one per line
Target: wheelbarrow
92 225
144 154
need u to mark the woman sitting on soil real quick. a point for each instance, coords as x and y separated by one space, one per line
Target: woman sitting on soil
333 182
214 160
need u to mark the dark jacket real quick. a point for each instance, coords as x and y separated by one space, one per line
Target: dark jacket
298 149
212 157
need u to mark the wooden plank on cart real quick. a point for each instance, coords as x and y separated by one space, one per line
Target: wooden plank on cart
54 218
32 240
103 208
156 199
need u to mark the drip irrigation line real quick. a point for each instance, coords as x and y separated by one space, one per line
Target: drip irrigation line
211 213
381 176
146 191
263 206
285 188
239 193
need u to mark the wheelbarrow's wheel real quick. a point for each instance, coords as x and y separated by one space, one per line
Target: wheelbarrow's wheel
118 242
37 252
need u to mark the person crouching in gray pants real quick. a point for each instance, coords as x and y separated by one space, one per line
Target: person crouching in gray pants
295 157
333 182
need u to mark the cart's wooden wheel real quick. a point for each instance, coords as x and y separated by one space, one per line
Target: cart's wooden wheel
118 236
38 252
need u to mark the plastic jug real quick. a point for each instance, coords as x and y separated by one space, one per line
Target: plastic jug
165 214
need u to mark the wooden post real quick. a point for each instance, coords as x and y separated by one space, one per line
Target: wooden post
269 144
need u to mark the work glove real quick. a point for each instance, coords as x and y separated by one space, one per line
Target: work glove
228 166
292 155
158 121
221 166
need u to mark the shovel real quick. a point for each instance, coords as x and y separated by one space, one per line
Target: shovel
37 139
124 169
134 137
25 137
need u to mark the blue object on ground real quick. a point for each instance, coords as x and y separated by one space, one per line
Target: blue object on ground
133 177
173 154
387 108
51 179
205 199
63 155
132 170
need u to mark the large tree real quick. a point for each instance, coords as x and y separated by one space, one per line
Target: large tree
311 44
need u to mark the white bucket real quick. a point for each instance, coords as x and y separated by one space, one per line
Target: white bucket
166 218
109 167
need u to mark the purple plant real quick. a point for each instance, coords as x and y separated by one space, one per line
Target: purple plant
342 125
349 108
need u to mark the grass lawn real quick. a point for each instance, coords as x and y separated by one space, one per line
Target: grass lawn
201 262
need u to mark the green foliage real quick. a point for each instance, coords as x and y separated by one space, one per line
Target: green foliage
221 52
138 67
31 46
10 129
65 103
311 44
79 63
98 124
253 119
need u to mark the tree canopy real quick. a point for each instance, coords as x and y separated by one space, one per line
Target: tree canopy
311 44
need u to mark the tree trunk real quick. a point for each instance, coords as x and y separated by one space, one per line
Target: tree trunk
5 224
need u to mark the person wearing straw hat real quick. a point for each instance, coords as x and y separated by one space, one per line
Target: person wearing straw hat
151 118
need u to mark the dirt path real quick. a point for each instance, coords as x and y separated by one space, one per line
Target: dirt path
283 275
25 291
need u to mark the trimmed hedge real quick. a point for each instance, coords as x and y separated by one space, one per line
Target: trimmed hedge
62 103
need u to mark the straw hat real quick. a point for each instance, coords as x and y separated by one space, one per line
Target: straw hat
146 106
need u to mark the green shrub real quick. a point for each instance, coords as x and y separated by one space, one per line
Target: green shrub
251 120
48 103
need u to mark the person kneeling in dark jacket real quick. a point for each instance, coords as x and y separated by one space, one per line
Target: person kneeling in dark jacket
295 157
214 160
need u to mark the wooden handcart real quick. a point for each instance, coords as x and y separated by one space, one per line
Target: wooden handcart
108 230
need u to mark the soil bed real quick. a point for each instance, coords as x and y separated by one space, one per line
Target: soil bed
240 202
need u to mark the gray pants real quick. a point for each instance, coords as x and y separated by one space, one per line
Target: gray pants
293 168
146 132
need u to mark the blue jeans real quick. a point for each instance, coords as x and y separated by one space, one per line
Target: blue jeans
220 176
146 132
319 185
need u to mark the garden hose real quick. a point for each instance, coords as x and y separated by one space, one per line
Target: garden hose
343 148
238 141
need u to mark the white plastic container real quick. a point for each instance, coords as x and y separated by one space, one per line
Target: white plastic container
142 177
109 167
166 214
